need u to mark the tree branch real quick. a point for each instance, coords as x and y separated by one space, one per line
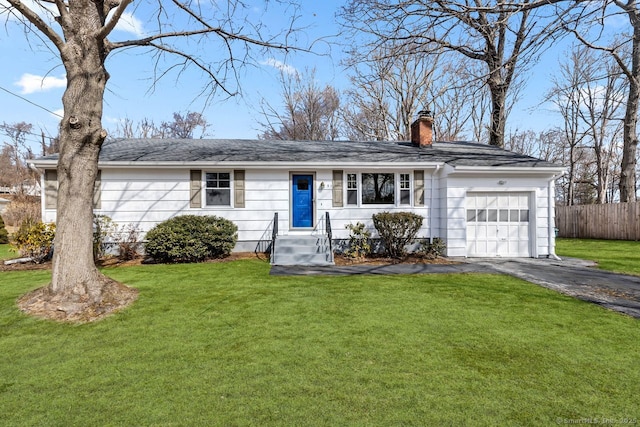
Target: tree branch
33 17
194 61
148 41
109 26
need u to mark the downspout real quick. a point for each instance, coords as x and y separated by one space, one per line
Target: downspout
551 216
431 213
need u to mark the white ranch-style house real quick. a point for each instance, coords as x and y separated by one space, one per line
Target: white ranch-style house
480 200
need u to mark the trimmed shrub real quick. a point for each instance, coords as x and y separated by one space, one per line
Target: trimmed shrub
433 249
397 230
34 240
359 244
191 238
4 234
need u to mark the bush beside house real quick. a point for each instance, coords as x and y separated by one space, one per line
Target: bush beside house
397 230
191 238
34 240
4 234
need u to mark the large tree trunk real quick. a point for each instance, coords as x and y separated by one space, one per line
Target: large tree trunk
78 291
628 165
630 136
81 136
498 113
630 142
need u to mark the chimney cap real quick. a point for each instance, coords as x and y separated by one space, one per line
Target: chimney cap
425 114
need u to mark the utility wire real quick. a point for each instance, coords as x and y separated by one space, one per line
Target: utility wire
30 102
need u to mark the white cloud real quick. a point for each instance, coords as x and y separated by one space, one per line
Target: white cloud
279 65
130 24
127 23
58 113
45 11
112 120
30 83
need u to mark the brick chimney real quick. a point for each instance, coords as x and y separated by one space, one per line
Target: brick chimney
422 129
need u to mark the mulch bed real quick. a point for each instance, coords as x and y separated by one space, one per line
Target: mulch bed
340 260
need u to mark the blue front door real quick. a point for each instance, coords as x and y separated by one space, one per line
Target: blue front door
302 200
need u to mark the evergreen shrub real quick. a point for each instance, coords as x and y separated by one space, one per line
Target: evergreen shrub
191 238
397 230
4 234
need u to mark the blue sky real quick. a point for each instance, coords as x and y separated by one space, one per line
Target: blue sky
30 71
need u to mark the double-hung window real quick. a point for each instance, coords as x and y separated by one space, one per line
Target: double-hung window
405 189
218 189
352 189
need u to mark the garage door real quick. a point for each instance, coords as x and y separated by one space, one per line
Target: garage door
498 224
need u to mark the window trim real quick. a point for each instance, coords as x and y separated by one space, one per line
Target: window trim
409 189
356 189
396 192
231 188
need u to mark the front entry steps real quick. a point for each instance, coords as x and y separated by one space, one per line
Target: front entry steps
302 250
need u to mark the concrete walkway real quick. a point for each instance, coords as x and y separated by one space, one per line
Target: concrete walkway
577 278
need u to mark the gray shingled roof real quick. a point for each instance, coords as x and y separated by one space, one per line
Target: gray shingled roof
296 152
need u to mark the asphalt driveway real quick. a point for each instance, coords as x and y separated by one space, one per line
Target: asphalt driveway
577 278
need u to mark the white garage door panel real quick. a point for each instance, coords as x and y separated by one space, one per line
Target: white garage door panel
498 224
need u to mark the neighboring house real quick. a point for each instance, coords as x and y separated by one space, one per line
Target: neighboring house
3 204
26 188
481 200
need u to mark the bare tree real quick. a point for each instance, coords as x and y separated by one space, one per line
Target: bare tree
460 101
588 93
602 95
624 47
389 85
504 36
8 175
523 142
310 112
16 153
182 127
565 95
78 32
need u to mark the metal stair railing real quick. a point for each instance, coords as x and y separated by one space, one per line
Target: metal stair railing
327 227
274 234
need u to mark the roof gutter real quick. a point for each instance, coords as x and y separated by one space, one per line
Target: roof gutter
511 169
34 168
262 165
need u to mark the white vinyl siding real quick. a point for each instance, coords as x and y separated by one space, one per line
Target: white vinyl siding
147 196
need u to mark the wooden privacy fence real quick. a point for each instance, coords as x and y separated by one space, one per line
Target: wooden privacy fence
615 221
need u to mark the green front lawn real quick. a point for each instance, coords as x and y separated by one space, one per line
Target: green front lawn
620 256
227 344
5 253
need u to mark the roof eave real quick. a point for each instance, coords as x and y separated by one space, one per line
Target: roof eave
506 169
261 165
